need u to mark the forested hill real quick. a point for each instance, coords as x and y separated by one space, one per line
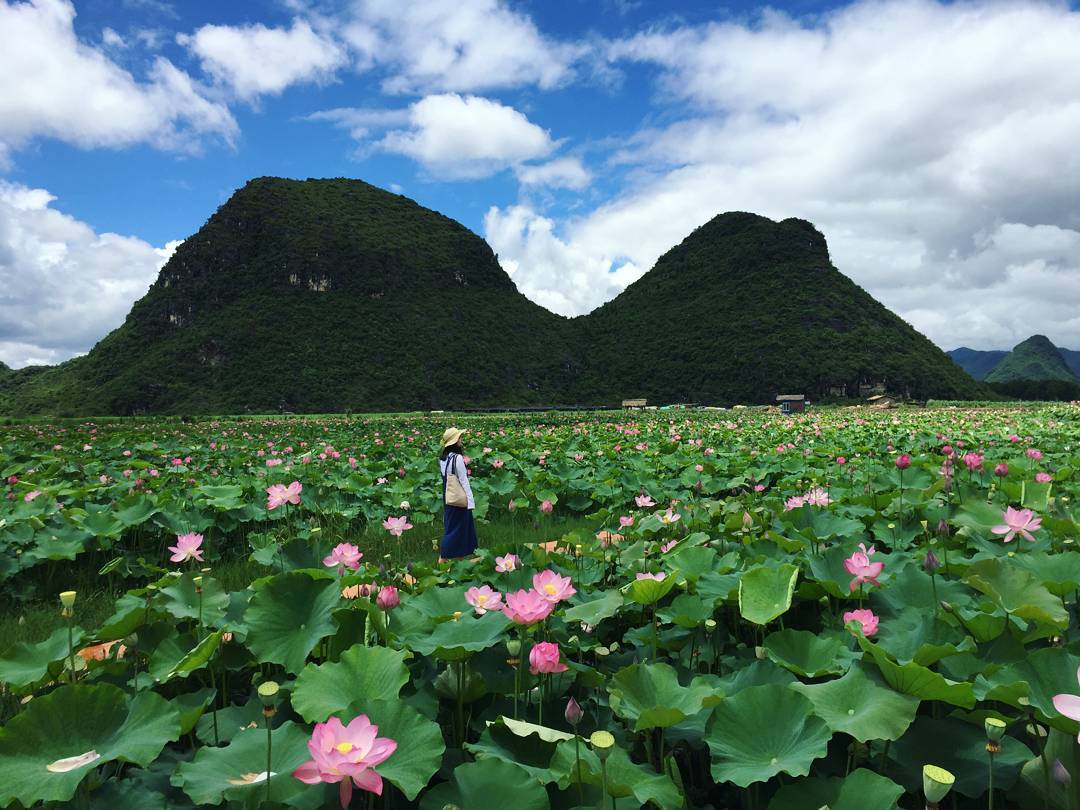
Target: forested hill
332 295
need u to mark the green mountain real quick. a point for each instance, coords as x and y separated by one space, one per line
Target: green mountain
976 362
327 295
747 306
1033 359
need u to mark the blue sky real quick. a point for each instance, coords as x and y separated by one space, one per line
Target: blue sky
582 138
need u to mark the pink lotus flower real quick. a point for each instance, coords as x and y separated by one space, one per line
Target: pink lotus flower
546 507
644 501
668 546
484 599
1001 470
1032 453
553 587
507 563
397 525
279 494
1043 478
817 497
860 567
794 502
344 555
759 487
866 618
1018 521
903 461
1069 705
625 521
497 463
544 659
526 607
660 577
973 461
388 598
841 460
669 517
29 496
187 548
346 754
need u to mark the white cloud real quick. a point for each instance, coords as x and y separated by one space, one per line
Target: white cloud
63 285
934 145
564 172
254 60
467 136
456 45
57 86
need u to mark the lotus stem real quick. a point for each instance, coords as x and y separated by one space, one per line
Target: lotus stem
990 782
71 648
577 768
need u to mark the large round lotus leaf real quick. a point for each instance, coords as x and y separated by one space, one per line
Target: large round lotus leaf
687 610
237 772
650 591
181 599
1035 783
960 748
808 654
625 778
763 731
48 747
860 790
651 696
487 782
862 706
765 592
134 509
420 742
530 752
455 639
1041 675
362 674
594 611
24 664
191 705
919 681
288 616
1017 592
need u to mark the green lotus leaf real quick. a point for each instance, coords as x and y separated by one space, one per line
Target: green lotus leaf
480 783
456 639
288 616
1017 592
860 705
420 742
765 592
182 598
191 706
529 752
693 561
1059 572
715 588
237 771
227 496
650 591
24 663
595 611
687 610
102 524
920 636
47 749
651 696
134 509
362 674
524 729
199 657
1036 679
625 778
919 681
231 720
1037 786
809 654
960 748
439 603
763 731
859 790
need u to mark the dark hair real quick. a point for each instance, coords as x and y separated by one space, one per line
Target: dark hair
454 448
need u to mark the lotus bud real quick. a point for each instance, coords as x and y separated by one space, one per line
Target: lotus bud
747 520
931 563
573 713
936 784
382 570
995 730
602 743
1061 774
943 528
946 606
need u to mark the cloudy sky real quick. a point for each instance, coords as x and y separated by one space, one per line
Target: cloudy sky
935 144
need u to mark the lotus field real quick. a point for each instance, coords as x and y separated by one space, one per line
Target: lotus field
685 609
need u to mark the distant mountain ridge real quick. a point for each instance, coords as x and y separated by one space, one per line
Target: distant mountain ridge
978 363
333 295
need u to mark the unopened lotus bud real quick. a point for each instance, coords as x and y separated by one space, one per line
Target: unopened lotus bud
602 743
937 782
747 520
573 713
931 563
946 606
67 599
1061 774
943 528
268 693
759 653
382 570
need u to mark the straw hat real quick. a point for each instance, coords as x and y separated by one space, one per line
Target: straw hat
451 436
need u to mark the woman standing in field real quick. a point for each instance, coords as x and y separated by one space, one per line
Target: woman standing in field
459 532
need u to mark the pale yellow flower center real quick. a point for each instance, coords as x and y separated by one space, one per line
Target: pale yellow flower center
549 589
482 600
344 748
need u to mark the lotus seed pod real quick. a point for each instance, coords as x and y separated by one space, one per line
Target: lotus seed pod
602 743
268 692
995 728
67 599
710 625
513 646
937 782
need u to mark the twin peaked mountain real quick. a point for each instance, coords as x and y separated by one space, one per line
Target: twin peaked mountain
328 295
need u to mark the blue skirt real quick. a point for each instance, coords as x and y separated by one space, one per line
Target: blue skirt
459 533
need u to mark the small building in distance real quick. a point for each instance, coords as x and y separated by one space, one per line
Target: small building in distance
882 401
635 404
791 403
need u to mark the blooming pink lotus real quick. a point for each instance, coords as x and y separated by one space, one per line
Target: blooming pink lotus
817 497
626 520
397 525
29 496
526 607
344 555
1018 521
346 754
1069 705
866 618
483 599
553 587
860 567
1043 478
507 563
973 461
187 548
388 598
794 502
660 577
669 517
644 501
279 494
544 659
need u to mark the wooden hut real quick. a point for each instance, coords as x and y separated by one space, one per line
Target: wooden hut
791 403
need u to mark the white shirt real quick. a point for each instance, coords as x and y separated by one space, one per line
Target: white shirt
462 474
